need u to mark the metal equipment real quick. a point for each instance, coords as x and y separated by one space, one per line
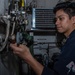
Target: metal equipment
13 30
16 21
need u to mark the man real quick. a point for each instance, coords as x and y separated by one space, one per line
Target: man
65 23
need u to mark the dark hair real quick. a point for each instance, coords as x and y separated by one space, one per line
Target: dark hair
67 7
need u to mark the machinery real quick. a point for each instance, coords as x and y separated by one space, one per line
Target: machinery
13 30
16 24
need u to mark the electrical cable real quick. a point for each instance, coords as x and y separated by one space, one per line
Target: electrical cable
7 35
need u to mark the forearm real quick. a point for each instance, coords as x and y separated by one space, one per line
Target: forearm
36 66
24 52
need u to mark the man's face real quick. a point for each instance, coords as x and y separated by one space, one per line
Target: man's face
63 23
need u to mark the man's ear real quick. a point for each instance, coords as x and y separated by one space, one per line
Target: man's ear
73 19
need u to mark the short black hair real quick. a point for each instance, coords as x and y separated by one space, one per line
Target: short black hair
67 7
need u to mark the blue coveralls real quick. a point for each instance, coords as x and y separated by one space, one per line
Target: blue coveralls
66 62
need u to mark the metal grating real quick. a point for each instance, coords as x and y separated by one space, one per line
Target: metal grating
43 18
